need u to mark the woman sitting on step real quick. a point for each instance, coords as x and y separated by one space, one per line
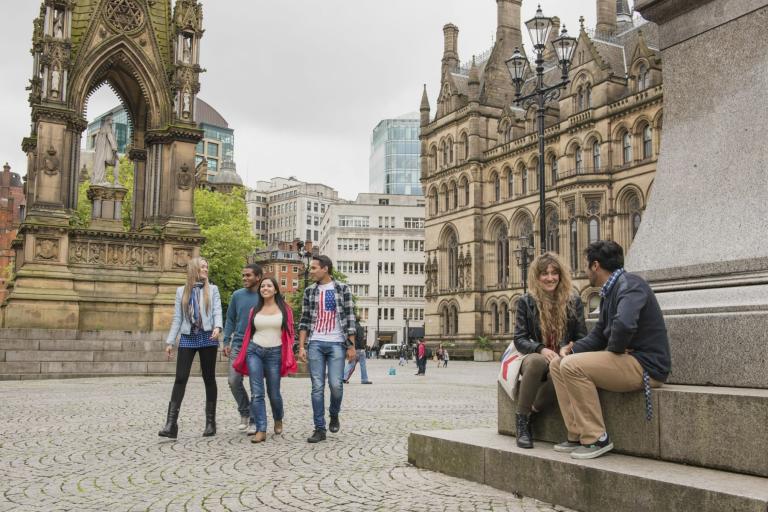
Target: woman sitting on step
197 317
549 316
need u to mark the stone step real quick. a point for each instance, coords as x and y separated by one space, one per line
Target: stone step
714 427
16 370
68 334
608 484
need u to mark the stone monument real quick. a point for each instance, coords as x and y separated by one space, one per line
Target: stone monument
105 277
702 243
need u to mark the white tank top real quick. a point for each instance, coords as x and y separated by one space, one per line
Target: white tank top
268 330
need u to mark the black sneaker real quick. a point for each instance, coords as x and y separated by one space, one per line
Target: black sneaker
596 449
334 425
317 436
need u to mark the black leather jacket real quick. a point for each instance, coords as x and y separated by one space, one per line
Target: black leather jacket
528 337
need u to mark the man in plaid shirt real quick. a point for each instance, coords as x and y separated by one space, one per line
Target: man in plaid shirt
328 321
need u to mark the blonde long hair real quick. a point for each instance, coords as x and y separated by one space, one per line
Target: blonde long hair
193 276
553 308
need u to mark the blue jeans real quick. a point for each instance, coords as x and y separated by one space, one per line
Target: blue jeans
235 381
349 368
322 355
264 363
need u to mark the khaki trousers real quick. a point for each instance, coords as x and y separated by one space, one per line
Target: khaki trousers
577 378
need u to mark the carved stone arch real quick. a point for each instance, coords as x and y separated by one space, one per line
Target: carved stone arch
627 191
575 142
581 79
658 119
592 136
640 123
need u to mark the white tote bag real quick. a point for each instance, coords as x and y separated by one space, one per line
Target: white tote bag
509 374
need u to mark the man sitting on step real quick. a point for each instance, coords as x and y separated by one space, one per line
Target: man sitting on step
627 350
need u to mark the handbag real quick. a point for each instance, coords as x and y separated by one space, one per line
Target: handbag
509 374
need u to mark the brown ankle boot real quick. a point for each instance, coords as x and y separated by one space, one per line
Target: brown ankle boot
260 437
278 427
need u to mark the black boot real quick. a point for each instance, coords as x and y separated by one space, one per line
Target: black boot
171 428
524 439
210 419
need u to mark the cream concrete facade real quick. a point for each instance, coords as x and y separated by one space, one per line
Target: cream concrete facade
480 168
284 209
386 230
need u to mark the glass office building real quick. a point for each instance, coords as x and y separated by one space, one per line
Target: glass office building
394 166
217 146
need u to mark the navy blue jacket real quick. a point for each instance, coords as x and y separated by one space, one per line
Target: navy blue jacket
631 319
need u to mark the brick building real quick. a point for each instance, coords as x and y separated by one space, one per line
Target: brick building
12 207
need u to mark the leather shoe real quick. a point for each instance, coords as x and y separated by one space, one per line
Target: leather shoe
317 436
334 425
259 437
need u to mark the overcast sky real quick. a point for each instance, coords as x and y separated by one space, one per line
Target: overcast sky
303 82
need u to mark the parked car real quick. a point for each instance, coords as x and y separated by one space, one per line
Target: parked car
389 350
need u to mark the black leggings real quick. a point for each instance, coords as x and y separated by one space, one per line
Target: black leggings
183 367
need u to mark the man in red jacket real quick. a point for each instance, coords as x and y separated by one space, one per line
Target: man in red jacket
421 354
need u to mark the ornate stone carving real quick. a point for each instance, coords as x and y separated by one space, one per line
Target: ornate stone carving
181 257
46 249
185 179
113 254
51 162
124 15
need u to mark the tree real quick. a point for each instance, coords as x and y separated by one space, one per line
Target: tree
229 240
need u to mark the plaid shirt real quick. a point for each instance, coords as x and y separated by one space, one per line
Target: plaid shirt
344 312
606 289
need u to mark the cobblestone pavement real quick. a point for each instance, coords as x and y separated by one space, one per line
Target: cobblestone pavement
92 445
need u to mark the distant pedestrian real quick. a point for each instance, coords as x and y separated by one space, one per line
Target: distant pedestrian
240 305
403 359
439 355
360 349
421 353
445 358
197 318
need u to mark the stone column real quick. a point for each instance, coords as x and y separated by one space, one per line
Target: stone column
702 243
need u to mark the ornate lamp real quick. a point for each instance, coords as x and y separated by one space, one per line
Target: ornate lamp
517 66
564 47
538 28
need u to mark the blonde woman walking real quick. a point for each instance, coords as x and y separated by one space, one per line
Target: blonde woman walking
197 319
548 317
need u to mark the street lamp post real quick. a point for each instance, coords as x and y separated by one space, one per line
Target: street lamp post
378 307
538 28
524 254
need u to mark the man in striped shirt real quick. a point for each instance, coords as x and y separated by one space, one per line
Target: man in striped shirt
328 320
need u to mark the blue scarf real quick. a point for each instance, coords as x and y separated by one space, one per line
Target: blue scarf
194 306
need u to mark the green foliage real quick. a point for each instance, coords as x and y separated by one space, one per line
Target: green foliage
223 219
82 217
483 343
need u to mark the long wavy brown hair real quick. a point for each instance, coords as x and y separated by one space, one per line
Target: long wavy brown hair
553 307
193 276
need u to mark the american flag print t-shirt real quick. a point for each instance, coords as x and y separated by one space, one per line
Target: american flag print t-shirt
327 326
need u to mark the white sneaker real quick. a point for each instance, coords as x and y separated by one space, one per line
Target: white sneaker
243 423
251 429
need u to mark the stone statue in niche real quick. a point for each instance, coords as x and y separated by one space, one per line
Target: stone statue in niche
186 50
187 104
105 154
58 24
55 81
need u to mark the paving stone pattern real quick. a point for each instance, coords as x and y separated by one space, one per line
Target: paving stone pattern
92 445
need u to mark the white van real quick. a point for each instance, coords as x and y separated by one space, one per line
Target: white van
389 350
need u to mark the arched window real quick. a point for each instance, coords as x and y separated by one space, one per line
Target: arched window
523 180
444 151
626 145
494 318
433 202
465 186
453 261
574 245
594 230
579 159
579 100
496 188
642 78
635 215
450 151
510 183
446 316
593 221
465 145
553 168
647 142
502 255
593 303
553 231
446 198
596 155
454 195
588 97
534 175
454 320
433 159
505 318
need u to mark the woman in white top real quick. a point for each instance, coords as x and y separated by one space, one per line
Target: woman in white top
270 326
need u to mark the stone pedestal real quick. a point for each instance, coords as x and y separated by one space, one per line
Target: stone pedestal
107 205
702 244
